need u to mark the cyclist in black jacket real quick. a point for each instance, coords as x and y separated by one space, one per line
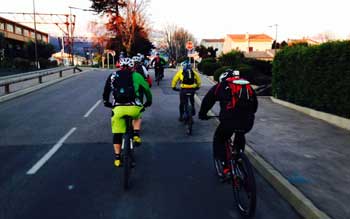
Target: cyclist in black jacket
231 120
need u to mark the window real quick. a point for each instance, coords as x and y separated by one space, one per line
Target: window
250 49
32 34
45 39
38 36
26 32
2 26
18 30
9 27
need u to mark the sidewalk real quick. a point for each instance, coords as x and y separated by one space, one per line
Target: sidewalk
310 154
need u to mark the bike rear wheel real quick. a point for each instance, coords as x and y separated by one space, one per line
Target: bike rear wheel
126 162
189 121
244 187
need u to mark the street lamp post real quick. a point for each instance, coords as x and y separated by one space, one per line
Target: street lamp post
36 39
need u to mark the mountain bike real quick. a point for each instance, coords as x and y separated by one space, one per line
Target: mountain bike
127 154
127 151
240 177
188 112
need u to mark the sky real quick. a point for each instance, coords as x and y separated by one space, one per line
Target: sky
215 19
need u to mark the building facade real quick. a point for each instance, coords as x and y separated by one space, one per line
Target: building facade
14 31
247 42
215 43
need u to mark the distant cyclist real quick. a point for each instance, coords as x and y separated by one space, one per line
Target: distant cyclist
158 63
141 69
190 81
238 105
125 87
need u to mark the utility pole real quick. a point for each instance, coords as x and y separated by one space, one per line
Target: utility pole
36 39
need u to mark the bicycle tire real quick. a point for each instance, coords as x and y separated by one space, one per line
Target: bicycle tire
126 162
244 187
188 119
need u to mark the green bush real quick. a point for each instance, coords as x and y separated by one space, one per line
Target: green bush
314 76
232 58
210 60
208 68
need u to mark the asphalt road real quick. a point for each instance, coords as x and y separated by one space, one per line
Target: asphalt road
56 160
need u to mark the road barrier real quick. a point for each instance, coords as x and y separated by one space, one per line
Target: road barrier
13 79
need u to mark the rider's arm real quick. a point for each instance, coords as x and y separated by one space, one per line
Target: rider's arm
176 78
145 71
139 80
107 89
208 101
197 78
255 102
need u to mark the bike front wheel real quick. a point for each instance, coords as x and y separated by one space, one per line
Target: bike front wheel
244 187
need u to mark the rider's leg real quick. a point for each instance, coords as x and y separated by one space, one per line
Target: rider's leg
117 142
239 141
137 129
192 102
222 134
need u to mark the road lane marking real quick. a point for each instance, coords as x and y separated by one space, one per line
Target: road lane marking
92 109
49 154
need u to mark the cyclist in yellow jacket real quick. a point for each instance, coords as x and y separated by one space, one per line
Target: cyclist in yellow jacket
190 81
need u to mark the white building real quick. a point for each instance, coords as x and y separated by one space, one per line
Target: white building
215 43
247 42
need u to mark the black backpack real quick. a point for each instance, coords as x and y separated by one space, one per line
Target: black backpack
123 87
188 77
139 69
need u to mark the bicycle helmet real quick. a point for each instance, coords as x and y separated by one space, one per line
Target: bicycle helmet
227 74
126 62
136 58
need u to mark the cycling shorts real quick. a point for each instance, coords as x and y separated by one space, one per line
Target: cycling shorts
117 121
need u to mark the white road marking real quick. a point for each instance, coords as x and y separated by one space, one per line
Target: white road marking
49 154
92 109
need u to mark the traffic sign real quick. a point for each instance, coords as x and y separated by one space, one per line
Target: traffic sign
189 45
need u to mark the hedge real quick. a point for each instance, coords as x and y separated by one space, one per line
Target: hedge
314 76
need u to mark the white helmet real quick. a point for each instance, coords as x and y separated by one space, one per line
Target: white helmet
136 58
126 62
235 73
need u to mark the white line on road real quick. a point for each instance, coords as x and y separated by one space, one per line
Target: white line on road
92 109
49 154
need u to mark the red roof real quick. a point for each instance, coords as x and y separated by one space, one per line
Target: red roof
252 37
214 40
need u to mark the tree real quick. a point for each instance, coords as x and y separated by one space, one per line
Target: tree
205 52
127 24
176 38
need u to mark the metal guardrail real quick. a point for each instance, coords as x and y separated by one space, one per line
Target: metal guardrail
8 80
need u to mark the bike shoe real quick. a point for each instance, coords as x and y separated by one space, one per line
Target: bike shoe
137 140
117 163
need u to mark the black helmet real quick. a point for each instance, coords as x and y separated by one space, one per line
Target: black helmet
229 73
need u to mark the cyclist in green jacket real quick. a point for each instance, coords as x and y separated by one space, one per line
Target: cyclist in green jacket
125 87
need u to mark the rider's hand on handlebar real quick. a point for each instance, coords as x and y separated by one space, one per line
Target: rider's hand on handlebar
203 116
107 104
176 89
147 104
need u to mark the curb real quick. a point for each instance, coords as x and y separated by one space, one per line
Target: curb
332 119
37 87
290 193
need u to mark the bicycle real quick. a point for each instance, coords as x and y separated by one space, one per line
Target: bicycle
188 112
127 150
158 74
241 177
127 154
